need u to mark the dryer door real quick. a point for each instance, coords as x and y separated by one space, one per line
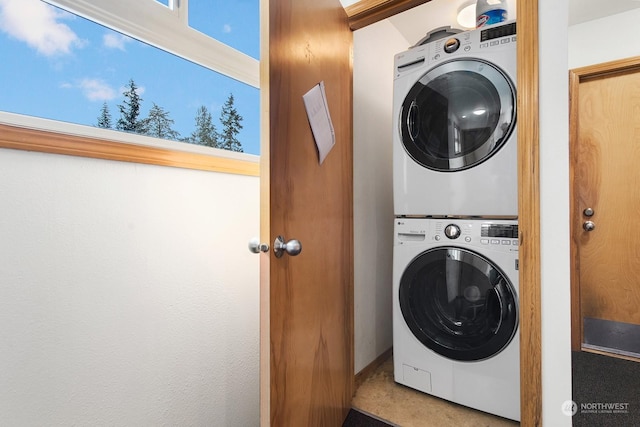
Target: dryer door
458 303
458 115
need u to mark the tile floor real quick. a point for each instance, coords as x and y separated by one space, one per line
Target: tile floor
381 397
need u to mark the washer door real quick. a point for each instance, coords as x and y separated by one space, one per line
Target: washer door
458 115
458 304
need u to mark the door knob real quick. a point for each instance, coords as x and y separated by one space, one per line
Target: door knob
292 247
588 212
256 247
589 226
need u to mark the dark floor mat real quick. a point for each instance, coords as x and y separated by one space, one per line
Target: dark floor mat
606 391
356 418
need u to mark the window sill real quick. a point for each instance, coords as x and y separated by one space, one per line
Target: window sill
47 136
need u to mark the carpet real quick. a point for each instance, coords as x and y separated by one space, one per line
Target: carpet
606 391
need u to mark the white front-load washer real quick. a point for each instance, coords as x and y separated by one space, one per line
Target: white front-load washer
454 125
455 311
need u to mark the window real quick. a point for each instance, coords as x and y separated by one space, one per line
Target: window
75 70
237 26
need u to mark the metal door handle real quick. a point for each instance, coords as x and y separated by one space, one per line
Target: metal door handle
256 247
292 247
588 225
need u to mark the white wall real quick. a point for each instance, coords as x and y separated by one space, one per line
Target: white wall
606 39
374 48
563 48
127 294
554 211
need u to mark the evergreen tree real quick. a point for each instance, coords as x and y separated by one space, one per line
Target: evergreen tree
231 126
130 110
104 120
206 132
158 124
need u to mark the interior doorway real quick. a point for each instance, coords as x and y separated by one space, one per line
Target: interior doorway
605 291
605 196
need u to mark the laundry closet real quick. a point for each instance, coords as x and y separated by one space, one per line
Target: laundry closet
441 155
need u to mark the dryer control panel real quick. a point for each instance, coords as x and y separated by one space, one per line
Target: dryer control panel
495 234
498 31
497 37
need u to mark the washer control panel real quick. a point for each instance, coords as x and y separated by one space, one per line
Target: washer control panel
499 234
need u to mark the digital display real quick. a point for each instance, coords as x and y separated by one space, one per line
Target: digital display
497 32
500 230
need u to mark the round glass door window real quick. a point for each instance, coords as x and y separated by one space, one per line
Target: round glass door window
458 304
458 115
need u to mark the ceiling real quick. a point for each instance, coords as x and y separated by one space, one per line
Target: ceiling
415 23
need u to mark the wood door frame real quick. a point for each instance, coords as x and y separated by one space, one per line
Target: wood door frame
265 218
529 213
367 12
577 76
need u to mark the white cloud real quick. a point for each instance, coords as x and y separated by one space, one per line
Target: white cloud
97 90
93 89
226 28
115 41
37 24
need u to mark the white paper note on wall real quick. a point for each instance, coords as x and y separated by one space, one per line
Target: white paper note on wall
315 102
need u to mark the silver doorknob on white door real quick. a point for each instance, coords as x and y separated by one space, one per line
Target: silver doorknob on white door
292 247
256 247
588 225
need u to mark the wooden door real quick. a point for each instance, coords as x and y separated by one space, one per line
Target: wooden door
306 300
605 178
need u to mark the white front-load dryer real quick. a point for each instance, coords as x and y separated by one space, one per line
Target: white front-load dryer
455 311
454 125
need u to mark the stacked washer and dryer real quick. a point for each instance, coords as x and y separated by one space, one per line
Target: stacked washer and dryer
455 258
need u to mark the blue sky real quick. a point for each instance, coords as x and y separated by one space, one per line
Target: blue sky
59 66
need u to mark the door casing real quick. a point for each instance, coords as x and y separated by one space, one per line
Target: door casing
576 76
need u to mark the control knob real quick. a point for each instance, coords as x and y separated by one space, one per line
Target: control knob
452 231
451 45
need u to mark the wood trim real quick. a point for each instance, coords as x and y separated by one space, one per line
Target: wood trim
368 370
576 76
609 354
265 214
366 12
529 213
576 324
19 138
605 68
